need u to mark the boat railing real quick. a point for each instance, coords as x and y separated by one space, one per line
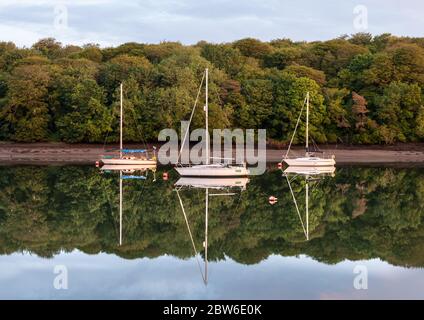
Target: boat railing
322 155
227 162
230 161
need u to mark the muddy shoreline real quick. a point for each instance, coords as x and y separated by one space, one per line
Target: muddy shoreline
86 154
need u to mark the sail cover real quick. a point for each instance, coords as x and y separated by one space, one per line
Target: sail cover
133 150
133 177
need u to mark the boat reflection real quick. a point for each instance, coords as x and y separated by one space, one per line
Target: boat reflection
213 183
312 176
128 172
223 187
127 168
311 171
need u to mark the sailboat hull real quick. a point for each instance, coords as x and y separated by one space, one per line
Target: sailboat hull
128 167
118 161
312 171
213 183
310 162
213 171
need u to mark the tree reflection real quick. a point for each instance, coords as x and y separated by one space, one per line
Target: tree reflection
361 213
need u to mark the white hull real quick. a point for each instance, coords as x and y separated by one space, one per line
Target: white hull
310 162
213 170
127 167
213 183
130 162
323 170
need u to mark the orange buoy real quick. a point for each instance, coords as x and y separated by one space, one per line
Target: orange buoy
165 176
279 165
272 200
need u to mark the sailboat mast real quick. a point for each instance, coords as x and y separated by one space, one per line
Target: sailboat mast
206 235
307 208
120 123
307 124
120 207
206 116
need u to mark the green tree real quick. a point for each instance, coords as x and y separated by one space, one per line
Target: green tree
303 71
332 56
48 47
361 38
88 119
254 48
399 108
283 57
248 81
337 111
25 114
119 69
258 95
290 95
224 57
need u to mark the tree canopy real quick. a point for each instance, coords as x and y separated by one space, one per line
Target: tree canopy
364 89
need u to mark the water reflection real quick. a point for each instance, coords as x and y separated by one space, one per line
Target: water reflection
128 172
359 214
310 175
223 187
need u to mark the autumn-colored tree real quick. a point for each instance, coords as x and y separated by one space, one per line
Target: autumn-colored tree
359 110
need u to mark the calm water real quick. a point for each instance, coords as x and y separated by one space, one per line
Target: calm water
369 220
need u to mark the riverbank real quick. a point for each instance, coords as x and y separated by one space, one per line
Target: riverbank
61 153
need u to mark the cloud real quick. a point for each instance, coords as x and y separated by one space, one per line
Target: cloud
106 276
111 22
34 3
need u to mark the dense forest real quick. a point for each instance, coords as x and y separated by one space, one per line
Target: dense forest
364 89
361 213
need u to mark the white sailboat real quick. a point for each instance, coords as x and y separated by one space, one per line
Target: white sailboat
125 157
208 169
207 183
309 160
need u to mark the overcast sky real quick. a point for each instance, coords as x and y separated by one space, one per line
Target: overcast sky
112 22
105 276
